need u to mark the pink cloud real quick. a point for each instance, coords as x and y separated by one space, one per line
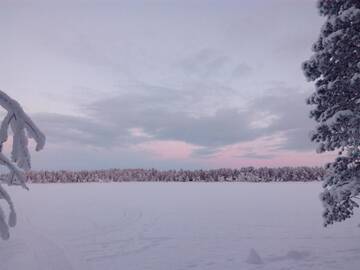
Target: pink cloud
269 152
280 159
237 155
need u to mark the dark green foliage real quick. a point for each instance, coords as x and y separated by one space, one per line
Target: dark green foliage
335 70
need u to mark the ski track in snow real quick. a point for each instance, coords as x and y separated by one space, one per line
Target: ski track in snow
159 226
125 238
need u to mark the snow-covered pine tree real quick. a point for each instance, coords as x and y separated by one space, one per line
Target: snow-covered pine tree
21 127
335 69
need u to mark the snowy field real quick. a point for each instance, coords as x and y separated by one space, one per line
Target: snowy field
170 226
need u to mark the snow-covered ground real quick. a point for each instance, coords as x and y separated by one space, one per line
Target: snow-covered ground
169 226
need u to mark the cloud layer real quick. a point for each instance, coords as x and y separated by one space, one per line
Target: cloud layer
162 83
142 121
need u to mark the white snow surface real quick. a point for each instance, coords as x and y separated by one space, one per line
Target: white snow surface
170 226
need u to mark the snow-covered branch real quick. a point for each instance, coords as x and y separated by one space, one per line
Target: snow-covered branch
21 127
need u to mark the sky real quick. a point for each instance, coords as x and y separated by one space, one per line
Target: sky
163 83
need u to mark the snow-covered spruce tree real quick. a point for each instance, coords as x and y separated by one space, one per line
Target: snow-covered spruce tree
21 127
335 69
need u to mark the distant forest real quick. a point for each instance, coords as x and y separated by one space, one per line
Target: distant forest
247 174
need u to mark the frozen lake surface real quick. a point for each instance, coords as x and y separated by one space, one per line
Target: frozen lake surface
170 226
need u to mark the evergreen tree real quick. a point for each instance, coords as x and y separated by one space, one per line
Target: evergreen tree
335 69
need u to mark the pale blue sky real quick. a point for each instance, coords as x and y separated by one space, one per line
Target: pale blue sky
164 84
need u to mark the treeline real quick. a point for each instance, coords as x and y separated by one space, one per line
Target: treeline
248 174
